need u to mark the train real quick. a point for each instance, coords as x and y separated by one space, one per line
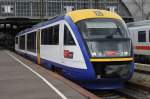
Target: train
140 34
91 47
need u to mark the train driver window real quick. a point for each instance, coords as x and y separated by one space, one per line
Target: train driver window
141 36
68 39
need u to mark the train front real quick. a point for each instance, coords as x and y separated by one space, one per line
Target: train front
109 48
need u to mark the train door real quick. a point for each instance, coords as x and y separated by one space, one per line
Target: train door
38 33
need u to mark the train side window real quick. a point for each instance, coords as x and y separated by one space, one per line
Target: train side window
56 35
16 40
141 36
68 39
50 36
46 36
22 42
31 42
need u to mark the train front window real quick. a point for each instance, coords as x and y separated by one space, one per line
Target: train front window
105 37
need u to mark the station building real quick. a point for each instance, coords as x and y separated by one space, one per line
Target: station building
45 9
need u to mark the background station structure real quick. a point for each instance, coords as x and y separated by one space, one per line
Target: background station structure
16 15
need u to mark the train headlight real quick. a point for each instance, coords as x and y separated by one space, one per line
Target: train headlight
93 54
126 53
99 54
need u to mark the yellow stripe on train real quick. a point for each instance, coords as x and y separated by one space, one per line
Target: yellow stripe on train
92 13
111 59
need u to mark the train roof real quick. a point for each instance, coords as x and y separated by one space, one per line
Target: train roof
139 23
76 16
92 13
52 20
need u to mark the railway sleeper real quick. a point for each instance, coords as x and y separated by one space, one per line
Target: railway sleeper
132 94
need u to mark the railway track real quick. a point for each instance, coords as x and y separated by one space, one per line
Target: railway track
142 71
144 87
111 94
135 90
132 90
138 89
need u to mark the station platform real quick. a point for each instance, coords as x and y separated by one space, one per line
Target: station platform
23 79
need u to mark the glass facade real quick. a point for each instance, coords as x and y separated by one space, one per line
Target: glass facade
49 8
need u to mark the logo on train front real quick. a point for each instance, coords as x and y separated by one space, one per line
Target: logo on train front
98 13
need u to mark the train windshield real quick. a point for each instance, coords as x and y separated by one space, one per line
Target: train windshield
105 37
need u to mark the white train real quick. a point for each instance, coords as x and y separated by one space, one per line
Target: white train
140 34
91 47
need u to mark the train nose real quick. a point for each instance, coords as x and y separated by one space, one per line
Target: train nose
112 69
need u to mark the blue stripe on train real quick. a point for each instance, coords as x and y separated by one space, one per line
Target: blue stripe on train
70 72
78 75
82 47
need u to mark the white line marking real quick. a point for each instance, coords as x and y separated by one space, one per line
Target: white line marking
37 74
